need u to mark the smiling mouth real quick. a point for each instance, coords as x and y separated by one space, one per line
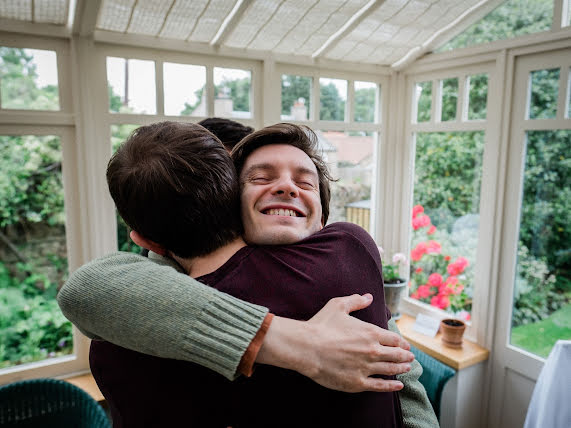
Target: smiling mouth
283 212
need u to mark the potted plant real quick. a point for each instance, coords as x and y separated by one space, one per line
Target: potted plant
394 284
452 331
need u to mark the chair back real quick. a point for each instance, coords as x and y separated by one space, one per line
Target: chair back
434 376
48 403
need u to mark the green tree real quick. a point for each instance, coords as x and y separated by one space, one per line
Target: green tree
239 92
294 88
365 104
332 105
511 19
18 86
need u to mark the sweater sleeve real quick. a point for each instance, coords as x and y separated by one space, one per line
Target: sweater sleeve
417 411
149 307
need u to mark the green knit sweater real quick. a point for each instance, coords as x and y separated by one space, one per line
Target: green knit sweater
150 307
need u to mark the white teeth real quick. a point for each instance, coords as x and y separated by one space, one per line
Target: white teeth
281 211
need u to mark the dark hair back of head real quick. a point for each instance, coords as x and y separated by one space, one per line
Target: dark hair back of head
175 184
298 136
227 131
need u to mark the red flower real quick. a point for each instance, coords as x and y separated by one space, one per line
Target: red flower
423 291
433 247
414 295
458 266
418 270
447 258
420 221
418 251
446 290
435 280
417 209
451 280
431 230
440 301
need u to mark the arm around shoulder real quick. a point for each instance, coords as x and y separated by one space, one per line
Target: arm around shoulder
149 307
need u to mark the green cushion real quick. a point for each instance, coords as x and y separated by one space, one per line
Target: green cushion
434 376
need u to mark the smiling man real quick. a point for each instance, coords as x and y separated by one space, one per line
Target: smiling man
283 193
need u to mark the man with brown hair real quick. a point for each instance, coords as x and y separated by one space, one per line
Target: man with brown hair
302 218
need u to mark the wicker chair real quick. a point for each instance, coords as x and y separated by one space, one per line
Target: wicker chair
434 376
48 403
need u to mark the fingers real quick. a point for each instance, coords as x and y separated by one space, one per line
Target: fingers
389 338
382 385
354 302
389 369
391 354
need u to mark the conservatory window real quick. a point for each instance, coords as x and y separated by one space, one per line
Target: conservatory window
332 99
29 79
296 97
131 86
445 219
365 101
512 18
232 93
33 251
544 94
449 99
423 101
351 158
477 96
184 89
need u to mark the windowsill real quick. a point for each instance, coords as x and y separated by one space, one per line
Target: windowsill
88 384
469 355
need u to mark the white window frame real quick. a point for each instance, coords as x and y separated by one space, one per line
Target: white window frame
483 288
59 123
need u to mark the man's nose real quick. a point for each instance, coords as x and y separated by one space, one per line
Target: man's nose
285 186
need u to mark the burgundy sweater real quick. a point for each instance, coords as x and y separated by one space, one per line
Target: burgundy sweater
293 281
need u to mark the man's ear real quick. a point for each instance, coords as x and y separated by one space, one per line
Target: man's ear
322 222
147 243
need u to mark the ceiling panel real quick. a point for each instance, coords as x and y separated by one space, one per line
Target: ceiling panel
253 19
211 20
182 18
149 16
51 11
16 9
114 15
284 20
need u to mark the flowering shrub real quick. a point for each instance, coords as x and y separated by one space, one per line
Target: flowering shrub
435 277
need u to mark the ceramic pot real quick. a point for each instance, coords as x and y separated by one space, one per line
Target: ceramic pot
394 292
452 332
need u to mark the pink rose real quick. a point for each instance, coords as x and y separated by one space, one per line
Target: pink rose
435 280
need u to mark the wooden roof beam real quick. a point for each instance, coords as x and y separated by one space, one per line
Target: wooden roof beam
229 22
83 16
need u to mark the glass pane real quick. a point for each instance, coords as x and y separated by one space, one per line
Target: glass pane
232 89
296 97
119 133
511 19
332 99
33 253
423 101
350 156
477 96
542 313
445 219
28 79
184 86
131 86
449 99
543 94
365 101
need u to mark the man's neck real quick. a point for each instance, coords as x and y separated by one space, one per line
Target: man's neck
199 266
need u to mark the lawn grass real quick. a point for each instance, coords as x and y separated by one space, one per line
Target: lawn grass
540 337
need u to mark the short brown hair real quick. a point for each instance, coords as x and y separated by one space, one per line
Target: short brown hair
298 136
175 184
228 131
